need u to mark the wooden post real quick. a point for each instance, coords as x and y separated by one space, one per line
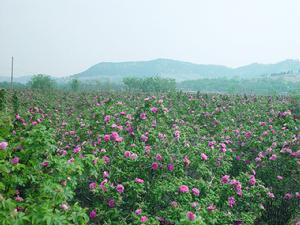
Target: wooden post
12 73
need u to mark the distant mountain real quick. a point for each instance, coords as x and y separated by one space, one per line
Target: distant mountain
286 66
180 70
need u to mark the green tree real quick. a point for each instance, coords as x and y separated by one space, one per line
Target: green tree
150 84
42 82
75 85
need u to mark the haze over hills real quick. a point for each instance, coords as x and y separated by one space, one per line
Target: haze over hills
180 70
19 79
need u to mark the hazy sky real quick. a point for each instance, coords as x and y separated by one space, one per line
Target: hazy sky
63 37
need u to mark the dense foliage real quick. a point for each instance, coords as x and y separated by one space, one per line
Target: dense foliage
119 158
262 86
265 86
7 85
150 84
42 82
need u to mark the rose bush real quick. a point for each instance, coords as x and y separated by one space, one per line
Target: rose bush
117 158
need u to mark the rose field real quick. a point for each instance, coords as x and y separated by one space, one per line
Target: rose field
127 158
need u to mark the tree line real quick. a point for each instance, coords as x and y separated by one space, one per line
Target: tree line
149 84
263 86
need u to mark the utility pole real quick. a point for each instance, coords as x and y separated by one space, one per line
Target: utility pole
12 73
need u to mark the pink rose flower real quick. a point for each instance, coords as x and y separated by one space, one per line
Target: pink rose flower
93 214
184 189
64 207
186 161
138 211
77 149
190 216
170 167
120 188
196 191
211 207
111 203
19 199
154 109
139 181
231 201
154 166
225 179
3 145
288 196
144 219
273 157
279 177
127 154
174 204
15 160
133 156
204 156
144 138
271 195
147 149
106 137
45 164
143 116
92 185
105 174
107 119
194 204
106 159
158 157
252 180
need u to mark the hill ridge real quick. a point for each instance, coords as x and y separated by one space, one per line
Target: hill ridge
183 70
